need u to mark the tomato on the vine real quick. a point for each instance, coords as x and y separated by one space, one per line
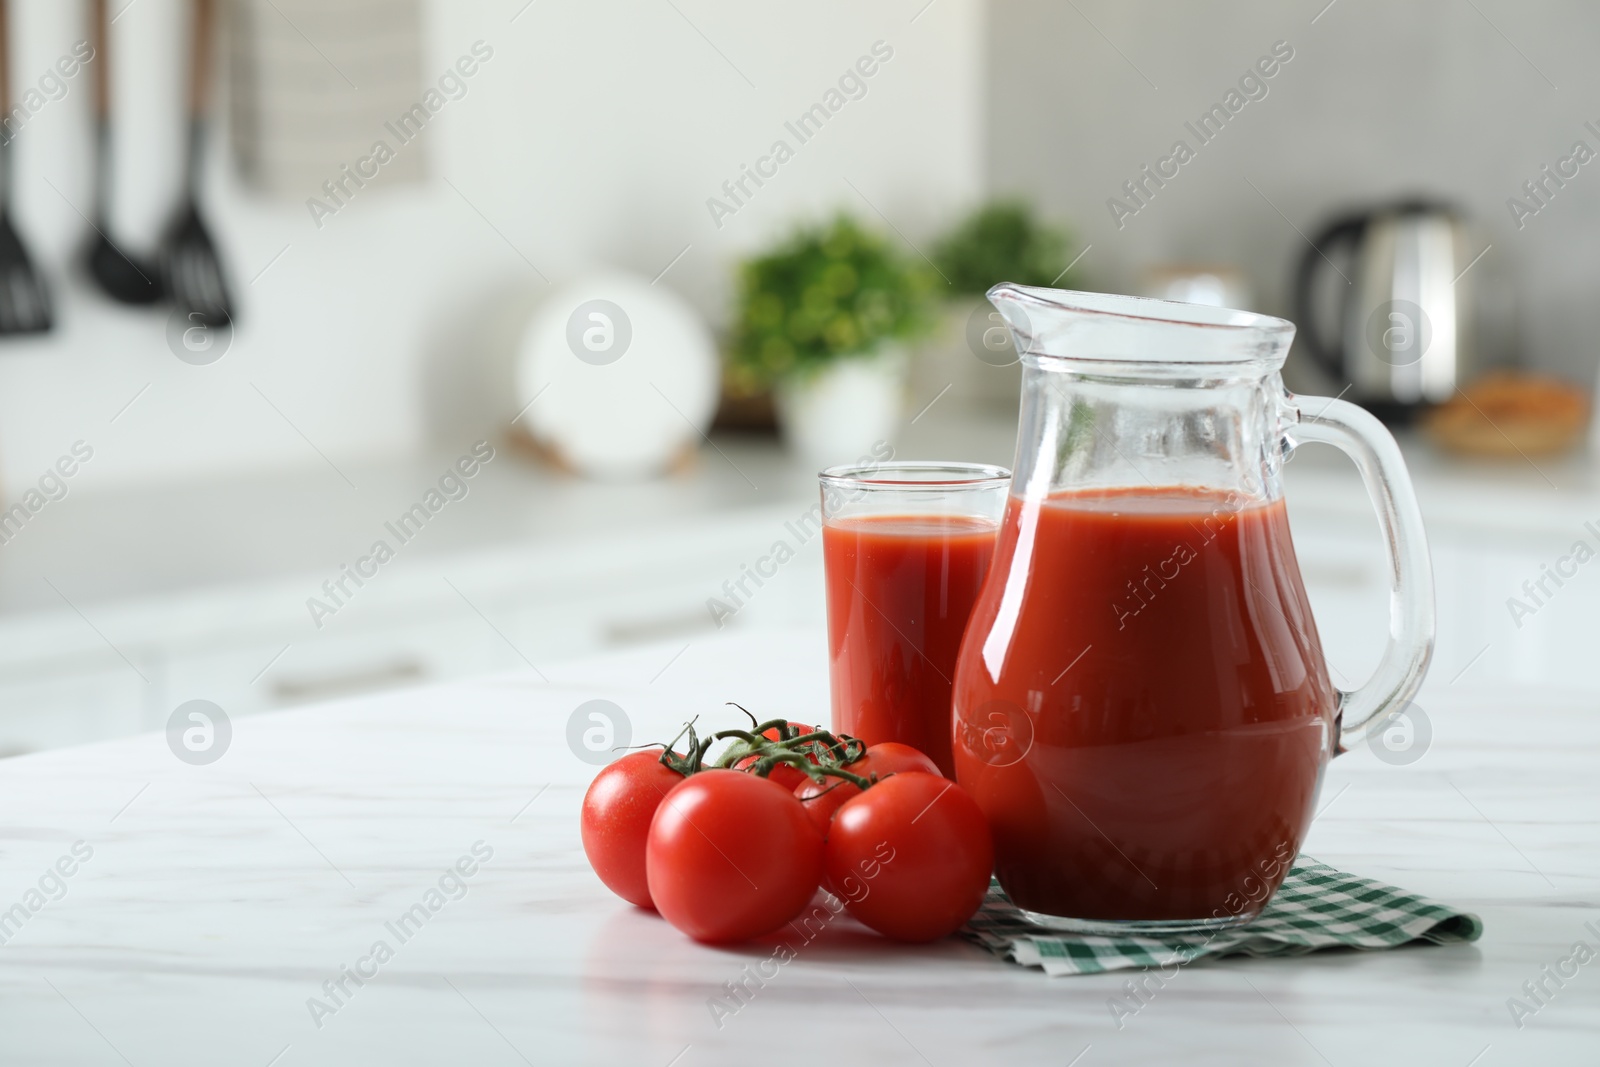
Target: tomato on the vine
911 856
798 727
785 775
615 823
822 799
731 856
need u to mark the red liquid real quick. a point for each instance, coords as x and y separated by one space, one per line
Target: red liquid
900 588
1170 772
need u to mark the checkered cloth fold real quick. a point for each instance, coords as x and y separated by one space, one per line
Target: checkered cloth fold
1317 907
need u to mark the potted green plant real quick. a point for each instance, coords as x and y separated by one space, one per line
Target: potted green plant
825 319
1001 241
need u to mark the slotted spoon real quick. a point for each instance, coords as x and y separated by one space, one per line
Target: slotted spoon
24 299
120 276
190 264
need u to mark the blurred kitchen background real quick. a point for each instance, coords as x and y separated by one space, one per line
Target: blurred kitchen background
564 161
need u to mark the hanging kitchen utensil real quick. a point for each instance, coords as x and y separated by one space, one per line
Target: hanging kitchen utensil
24 299
190 266
119 275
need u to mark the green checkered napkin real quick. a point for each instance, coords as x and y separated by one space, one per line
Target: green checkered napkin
1317 907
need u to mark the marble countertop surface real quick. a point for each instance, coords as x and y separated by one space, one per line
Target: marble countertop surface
157 912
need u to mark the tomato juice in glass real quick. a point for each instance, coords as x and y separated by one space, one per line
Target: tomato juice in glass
906 548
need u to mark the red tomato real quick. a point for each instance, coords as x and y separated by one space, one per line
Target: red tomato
891 757
785 775
731 856
911 856
617 811
822 799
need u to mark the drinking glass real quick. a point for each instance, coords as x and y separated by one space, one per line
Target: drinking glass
906 547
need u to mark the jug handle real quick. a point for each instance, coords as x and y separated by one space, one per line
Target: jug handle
1372 448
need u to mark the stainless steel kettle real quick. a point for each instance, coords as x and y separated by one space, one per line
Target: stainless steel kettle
1405 333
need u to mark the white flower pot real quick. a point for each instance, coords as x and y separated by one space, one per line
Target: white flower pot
839 413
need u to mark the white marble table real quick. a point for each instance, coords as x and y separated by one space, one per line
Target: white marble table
219 899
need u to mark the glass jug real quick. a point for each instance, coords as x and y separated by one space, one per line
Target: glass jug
1141 705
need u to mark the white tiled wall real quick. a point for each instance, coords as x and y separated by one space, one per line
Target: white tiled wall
1381 99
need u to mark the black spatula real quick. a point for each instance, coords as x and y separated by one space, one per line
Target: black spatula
24 300
190 266
120 276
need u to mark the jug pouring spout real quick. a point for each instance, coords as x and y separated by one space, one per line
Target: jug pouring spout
1105 327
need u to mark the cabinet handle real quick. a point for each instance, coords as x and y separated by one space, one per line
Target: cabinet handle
656 627
303 689
1352 575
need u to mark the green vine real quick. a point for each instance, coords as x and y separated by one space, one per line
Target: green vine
819 754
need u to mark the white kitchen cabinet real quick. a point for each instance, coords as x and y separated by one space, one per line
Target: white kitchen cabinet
540 608
253 648
553 591
1475 572
56 709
